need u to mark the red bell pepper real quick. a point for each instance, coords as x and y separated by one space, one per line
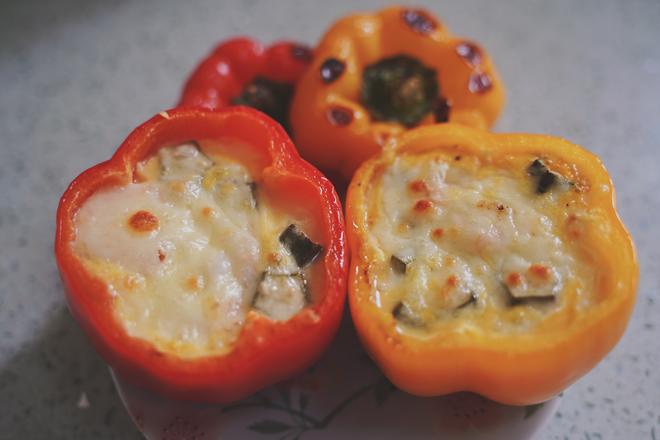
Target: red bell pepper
241 71
266 351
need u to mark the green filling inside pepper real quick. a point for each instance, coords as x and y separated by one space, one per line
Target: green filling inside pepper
399 89
270 97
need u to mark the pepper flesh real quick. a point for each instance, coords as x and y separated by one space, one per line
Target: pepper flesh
241 71
266 351
470 91
516 369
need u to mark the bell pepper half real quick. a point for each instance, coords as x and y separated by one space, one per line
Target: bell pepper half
542 322
266 351
376 75
241 71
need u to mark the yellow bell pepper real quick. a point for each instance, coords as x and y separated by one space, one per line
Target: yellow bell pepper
521 352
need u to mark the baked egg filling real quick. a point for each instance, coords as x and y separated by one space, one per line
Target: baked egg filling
191 246
471 243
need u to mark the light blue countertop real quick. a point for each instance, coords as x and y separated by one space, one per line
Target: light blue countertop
78 75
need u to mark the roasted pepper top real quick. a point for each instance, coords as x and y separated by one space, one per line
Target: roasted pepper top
241 71
376 75
487 262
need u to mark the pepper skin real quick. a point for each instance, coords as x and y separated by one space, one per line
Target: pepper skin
511 368
241 71
335 123
266 351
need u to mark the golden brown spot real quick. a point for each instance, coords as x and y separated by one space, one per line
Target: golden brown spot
418 186
540 271
143 221
446 291
131 282
449 261
208 212
513 279
178 186
438 233
194 282
274 258
574 227
423 205
161 255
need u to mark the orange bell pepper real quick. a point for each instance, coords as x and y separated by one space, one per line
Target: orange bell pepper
266 351
375 75
516 368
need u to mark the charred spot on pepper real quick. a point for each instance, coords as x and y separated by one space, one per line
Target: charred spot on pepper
405 315
400 264
339 116
441 110
399 89
419 20
304 250
479 82
270 97
470 52
302 53
331 69
544 179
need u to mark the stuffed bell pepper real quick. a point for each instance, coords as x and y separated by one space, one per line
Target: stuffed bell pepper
491 263
206 259
376 75
241 71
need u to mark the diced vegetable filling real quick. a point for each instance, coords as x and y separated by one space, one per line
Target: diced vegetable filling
191 247
458 237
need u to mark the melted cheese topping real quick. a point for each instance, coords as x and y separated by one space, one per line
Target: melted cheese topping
473 245
184 251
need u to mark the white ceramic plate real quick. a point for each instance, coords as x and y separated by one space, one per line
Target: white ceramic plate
343 396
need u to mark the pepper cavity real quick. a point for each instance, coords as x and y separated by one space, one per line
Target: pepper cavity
270 97
399 89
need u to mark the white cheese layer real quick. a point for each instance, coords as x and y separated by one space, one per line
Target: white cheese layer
182 251
455 238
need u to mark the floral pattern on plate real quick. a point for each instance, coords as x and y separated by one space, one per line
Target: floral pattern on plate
344 394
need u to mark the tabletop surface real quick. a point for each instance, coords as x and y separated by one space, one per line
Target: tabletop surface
78 75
